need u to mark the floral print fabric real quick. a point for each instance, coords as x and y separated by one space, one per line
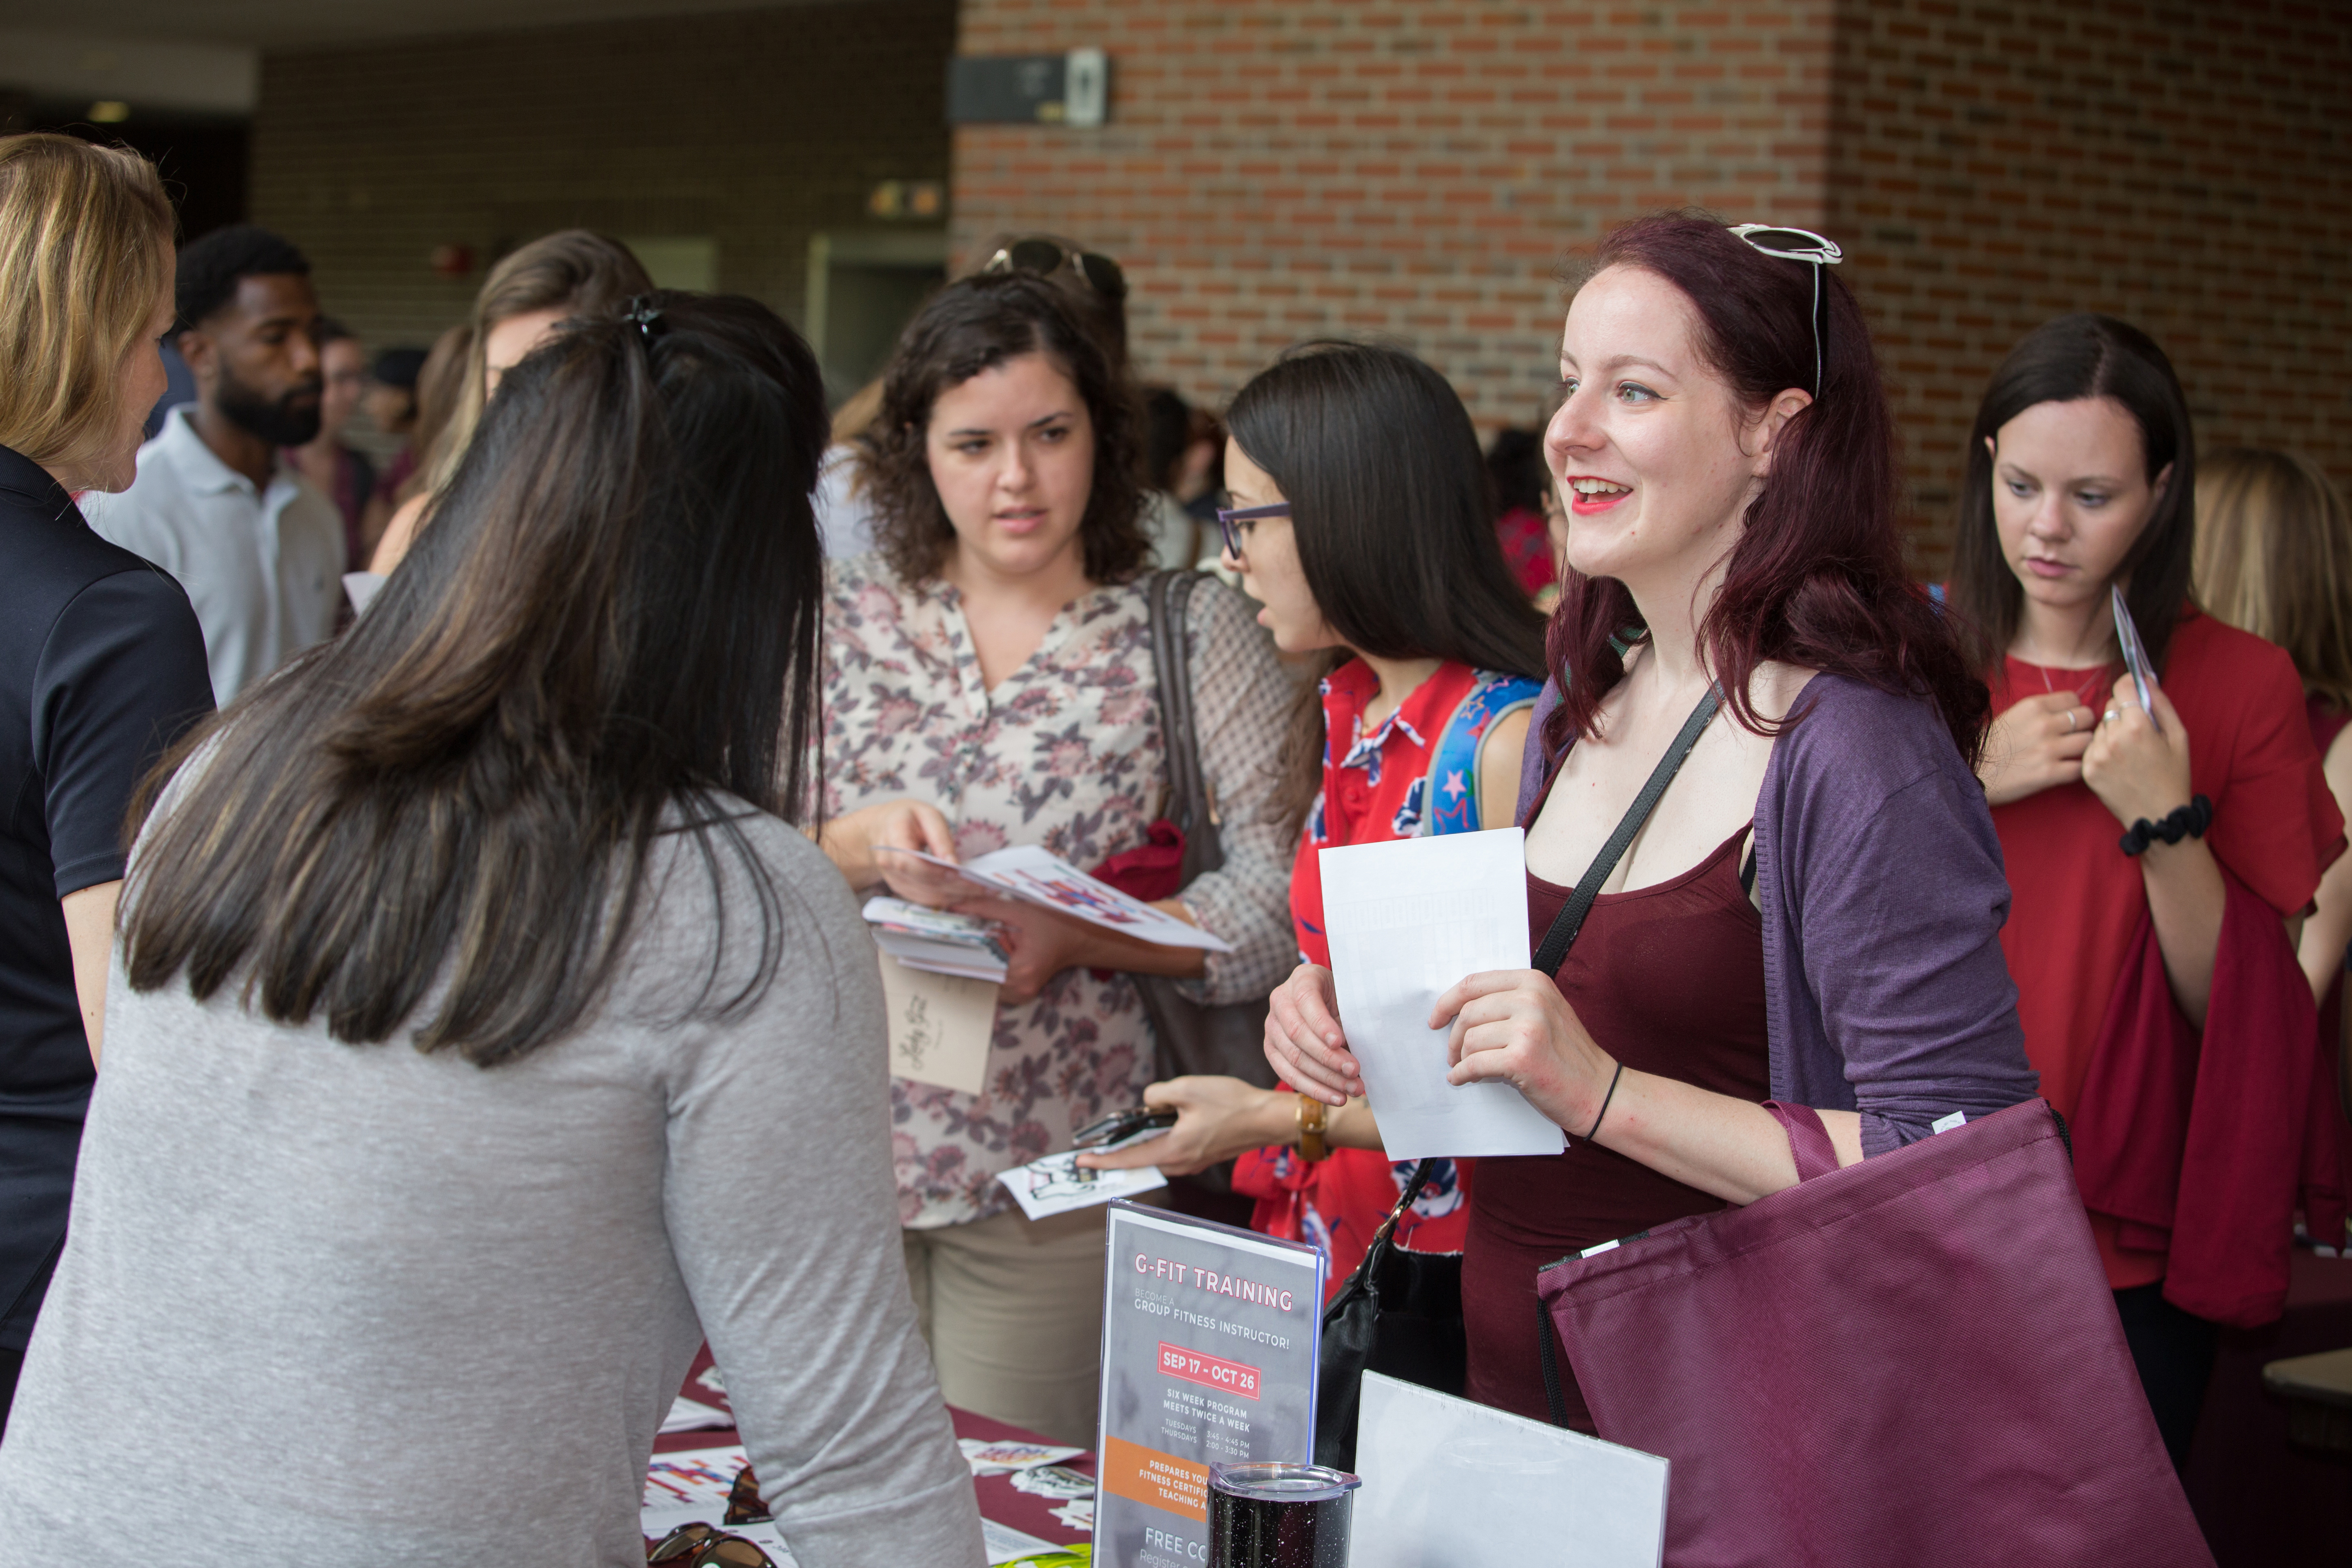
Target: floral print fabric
1066 754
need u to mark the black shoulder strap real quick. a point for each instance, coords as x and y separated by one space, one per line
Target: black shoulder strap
1557 941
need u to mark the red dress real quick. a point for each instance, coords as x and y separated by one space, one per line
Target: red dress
2078 900
1376 789
1631 979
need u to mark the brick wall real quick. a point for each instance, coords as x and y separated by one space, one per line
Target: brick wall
1274 169
758 129
2186 167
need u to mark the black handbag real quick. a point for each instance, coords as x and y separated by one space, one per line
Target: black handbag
1400 1312
1228 1039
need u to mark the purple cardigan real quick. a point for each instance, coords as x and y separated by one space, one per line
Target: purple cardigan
1880 875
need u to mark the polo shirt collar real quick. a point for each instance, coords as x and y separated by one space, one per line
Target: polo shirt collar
20 475
200 467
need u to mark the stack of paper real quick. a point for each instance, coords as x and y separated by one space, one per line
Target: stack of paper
937 939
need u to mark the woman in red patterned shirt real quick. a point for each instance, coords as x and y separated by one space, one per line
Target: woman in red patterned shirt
1360 521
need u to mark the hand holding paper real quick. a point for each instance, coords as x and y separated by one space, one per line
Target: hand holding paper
1408 919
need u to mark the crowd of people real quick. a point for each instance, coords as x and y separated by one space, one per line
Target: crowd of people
439 999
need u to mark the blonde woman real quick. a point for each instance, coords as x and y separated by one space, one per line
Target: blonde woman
558 276
2275 558
101 661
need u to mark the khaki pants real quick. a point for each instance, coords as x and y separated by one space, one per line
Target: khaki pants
1012 1310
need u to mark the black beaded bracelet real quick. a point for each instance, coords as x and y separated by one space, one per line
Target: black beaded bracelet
2190 821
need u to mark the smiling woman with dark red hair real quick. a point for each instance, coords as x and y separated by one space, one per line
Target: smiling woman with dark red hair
1726 449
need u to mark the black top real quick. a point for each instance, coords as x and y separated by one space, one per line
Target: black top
101 669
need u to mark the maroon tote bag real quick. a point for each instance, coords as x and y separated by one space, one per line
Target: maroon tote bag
1913 1360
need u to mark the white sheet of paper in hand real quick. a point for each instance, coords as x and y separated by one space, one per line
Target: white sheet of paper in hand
1452 1484
1407 919
1055 1184
941 1025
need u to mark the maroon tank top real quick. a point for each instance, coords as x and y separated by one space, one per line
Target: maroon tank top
1669 980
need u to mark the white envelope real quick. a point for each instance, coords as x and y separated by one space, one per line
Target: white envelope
1451 1484
1407 919
941 1025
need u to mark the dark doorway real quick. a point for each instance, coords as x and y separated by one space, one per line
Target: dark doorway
202 158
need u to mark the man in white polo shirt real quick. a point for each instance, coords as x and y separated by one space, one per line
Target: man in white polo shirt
259 551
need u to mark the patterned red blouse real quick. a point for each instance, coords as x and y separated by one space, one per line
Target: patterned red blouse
1414 776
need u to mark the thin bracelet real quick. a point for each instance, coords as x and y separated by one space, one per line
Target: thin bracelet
1606 1099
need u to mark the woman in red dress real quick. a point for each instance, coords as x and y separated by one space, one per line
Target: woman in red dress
2126 953
1376 552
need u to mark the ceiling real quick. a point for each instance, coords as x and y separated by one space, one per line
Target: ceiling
291 24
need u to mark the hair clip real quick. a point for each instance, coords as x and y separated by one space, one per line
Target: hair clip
644 315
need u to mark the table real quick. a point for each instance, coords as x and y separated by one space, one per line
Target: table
2266 1503
998 1500
2318 1393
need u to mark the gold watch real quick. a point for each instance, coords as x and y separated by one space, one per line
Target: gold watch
1313 1115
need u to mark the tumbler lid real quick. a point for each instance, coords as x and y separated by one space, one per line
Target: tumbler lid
1282 1483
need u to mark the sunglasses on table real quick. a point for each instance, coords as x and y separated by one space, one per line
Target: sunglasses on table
1044 257
699 1545
1235 522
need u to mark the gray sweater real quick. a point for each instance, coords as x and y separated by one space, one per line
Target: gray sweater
364 1306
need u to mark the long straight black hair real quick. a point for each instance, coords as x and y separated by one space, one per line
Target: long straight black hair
1394 516
612 623
2077 356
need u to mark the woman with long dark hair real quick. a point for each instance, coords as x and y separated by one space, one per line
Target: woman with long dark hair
990 682
2082 480
1361 521
481 1003
1812 911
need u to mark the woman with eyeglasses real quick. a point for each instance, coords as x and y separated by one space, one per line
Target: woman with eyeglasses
990 682
486 1036
1377 557
2160 840
1733 571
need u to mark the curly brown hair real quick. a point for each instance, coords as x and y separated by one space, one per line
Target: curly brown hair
976 324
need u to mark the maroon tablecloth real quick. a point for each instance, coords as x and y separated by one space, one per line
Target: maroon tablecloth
998 1500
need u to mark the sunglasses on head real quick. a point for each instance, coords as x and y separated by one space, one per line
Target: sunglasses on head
1042 258
1797 244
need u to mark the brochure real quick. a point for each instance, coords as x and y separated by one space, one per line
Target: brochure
1209 1343
940 941
1056 1184
1035 876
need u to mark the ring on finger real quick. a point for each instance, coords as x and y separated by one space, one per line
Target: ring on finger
2070 720
2111 716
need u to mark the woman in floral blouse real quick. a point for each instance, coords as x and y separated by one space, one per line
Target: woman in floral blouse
990 682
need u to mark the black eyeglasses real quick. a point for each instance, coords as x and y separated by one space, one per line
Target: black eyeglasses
1042 258
1232 520
1798 245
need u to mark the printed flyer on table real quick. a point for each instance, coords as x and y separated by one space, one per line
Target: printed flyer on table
1209 1343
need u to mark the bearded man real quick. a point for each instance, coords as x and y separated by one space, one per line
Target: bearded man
257 548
